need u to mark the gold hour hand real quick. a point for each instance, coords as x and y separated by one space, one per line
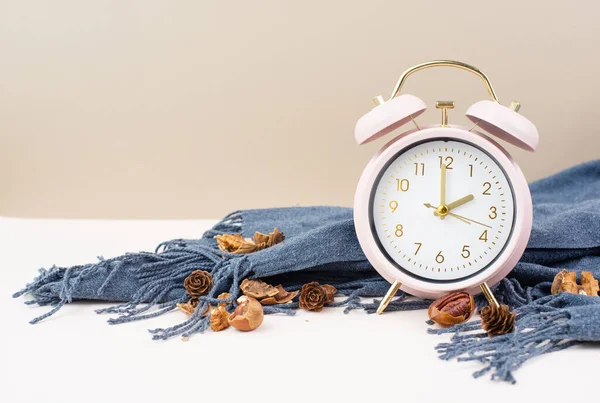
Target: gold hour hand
460 202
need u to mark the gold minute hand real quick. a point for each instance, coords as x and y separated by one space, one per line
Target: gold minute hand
443 185
460 202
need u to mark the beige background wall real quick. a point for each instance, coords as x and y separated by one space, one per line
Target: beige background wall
190 109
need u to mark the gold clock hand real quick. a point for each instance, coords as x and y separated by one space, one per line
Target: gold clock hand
450 214
443 187
460 202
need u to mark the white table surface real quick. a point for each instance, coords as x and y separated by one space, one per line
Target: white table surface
75 356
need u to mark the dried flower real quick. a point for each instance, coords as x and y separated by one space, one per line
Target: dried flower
451 309
258 289
248 315
314 295
236 243
497 320
567 282
589 283
198 283
224 295
281 297
219 319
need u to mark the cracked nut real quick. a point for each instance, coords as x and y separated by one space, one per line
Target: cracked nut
452 309
224 295
248 315
566 281
219 319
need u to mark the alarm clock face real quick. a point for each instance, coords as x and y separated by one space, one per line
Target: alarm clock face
442 210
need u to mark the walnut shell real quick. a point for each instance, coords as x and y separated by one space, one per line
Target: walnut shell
451 309
281 297
236 243
258 289
248 315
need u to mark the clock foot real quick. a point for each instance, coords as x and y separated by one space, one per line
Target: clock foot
489 295
388 297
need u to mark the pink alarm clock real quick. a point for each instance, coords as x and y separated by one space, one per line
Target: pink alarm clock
443 208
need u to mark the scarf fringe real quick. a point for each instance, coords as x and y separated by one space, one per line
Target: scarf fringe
539 328
159 274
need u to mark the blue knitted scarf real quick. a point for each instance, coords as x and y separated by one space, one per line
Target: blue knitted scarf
321 246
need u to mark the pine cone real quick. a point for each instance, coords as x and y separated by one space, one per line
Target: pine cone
314 295
497 321
198 283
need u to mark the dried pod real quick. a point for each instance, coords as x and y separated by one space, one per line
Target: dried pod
258 289
281 297
314 295
224 295
219 319
451 309
497 320
248 315
198 283
589 284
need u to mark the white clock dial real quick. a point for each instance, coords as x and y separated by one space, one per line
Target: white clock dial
409 193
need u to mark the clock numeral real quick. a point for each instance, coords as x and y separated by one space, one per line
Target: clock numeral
399 230
493 213
439 257
470 170
487 186
422 166
466 252
447 160
393 205
403 184
483 236
419 244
